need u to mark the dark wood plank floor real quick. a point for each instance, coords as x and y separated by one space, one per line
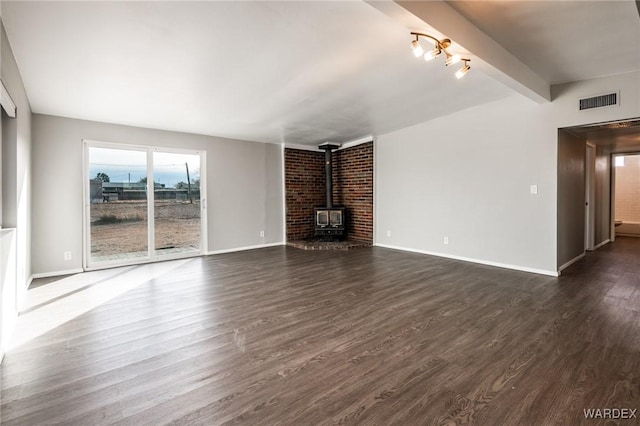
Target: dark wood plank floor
369 336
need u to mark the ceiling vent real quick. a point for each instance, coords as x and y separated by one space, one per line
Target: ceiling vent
600 101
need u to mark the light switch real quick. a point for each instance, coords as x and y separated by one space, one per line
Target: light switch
533 189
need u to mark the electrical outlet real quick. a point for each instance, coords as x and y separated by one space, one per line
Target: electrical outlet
261 234
388 233
533 189
67 255
446 240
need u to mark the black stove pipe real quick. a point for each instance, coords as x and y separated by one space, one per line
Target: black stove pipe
328 170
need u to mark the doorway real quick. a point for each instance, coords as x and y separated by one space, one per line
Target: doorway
626 194
142 204
586 184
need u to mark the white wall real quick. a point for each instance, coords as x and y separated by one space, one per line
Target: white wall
16 189
467 176
565 100
244 187
9 173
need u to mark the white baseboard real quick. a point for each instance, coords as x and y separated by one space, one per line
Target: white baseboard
231 250
605 242
56 273
473 260
571 262
258 246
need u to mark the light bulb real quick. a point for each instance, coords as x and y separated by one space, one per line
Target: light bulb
462 71
453 59
431 55
417 49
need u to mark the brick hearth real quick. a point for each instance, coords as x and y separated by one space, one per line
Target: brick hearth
327 245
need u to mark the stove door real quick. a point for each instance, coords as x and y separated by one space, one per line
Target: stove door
322 218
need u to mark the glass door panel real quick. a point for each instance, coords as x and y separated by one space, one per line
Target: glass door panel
118 218
177 214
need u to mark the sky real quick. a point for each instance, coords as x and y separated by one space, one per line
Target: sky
130 166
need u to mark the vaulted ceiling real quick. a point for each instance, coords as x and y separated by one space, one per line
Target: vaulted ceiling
293 72
562 41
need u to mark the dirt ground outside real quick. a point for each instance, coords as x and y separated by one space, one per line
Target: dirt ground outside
120 227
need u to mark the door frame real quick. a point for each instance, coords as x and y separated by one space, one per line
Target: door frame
590 197
151 256
612 197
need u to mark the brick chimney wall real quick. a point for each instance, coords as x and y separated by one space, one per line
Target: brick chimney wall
352 188
305 189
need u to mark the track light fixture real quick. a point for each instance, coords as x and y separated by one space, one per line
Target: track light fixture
417 49
439 47
464 70
432 54
452 59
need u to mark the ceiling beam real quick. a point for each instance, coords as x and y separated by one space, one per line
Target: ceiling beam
6 102
489 56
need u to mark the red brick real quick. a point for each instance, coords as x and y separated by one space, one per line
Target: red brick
352 188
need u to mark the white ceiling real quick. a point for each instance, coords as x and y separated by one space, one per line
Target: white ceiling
294 72
562 41
300 72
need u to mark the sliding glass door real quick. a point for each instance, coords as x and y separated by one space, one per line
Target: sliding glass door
142 204
118 206
176 214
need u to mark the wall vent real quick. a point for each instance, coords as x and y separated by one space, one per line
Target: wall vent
599 101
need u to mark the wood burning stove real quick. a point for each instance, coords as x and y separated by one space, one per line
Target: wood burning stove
329 220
